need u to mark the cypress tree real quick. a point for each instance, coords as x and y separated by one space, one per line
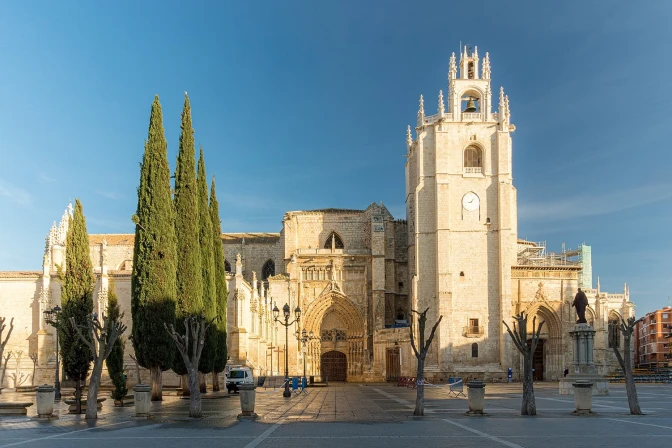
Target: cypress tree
153 288
189 277
77 301
207 361
115 362
220 287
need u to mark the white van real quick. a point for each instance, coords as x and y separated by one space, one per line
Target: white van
236 376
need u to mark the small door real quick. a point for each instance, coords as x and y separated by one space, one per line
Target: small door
392 364
538 362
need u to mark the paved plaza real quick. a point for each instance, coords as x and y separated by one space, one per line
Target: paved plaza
370 415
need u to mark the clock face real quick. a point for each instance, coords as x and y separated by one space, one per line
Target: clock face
471 202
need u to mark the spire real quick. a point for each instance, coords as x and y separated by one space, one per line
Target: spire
508 110
504 115
421 112
452 67
475 52
441 106
598 284
486 66
409 137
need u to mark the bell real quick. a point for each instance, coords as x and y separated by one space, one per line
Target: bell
471 106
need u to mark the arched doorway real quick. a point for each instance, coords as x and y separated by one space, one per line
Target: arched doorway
334 366
548 360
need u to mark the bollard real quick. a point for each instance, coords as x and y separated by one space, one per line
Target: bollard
476 397
142 395
45 402
583 397
248 396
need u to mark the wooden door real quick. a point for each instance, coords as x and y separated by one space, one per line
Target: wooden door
392 364
334 366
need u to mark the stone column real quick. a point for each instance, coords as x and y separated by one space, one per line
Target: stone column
583 369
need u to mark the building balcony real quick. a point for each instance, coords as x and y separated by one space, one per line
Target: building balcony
471 116
473 170
472 332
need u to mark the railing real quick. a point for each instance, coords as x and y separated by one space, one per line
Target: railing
473 170
472 331
471 116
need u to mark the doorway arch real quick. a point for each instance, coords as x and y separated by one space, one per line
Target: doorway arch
334 366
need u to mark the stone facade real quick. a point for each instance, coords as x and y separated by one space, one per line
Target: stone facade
356 274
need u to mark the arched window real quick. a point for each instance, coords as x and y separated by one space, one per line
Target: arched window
474 350
268 270
473 157
333 242
227 266
614 331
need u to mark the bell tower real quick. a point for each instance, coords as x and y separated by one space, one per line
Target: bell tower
462 220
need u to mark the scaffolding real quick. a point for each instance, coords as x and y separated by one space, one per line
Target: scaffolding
535 254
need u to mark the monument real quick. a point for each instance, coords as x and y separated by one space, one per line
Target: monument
583 368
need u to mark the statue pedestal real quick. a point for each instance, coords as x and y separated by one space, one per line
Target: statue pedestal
583 366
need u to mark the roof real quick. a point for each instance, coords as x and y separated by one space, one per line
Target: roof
128 239
113 239
20 274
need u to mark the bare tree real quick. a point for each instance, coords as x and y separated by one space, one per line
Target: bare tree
137 370
101 342
8 356
421 355
519 337
33 357
3 343
190 347
625 360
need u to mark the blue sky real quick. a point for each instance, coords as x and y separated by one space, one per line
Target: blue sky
304 104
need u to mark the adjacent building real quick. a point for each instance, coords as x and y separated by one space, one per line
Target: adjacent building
653 343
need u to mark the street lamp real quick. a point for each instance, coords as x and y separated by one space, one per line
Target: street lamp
286 324
304 339
48 313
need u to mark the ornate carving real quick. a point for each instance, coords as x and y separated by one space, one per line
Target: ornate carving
421 112
452 67
441 106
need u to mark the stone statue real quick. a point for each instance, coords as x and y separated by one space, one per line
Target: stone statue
580 303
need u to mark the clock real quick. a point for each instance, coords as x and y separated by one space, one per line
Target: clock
471 202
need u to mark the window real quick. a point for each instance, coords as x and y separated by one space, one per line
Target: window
614 331
474 350
268 270
473 323
472 157
333 242
665 315
227 266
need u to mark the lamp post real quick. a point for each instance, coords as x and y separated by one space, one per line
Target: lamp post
48 313
286 324
304 338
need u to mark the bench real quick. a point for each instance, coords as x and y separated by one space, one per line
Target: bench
14 408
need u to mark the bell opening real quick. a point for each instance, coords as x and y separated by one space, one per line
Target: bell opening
472 105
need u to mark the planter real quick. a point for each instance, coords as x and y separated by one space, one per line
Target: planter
143 395
583 397
247 398
476 397
46 395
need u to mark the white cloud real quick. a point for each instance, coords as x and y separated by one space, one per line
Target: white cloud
16 194
44 178
109 194
594 204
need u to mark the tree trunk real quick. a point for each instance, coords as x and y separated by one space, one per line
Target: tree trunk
78 397
186 392
529 406
420 396
201 383
195 397
630 388
157 383
92 394
215 382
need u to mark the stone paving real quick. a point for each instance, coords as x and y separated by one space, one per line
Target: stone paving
369 415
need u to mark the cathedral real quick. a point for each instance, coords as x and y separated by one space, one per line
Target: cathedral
351 278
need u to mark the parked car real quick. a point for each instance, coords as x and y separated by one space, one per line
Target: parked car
237 376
